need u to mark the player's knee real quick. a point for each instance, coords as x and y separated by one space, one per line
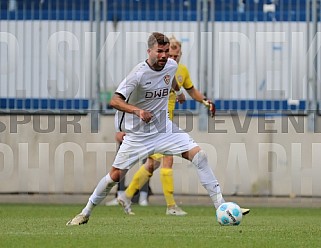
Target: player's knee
200 159
156 165
149 165
116 174
168 162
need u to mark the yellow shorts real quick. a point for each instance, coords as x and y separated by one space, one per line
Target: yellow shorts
157 157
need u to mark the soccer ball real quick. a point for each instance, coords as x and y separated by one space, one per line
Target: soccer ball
229 214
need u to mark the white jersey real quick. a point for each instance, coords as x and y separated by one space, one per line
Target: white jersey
148 90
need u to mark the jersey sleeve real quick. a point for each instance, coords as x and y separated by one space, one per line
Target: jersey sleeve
127 86
187 84
173 65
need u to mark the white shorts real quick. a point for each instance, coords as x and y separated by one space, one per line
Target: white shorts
136 148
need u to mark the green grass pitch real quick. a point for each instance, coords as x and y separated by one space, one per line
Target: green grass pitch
25 225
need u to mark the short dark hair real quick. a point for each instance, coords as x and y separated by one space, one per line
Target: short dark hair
157 38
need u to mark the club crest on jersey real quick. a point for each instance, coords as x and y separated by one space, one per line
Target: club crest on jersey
167 79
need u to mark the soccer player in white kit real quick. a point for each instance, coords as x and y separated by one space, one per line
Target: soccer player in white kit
142 103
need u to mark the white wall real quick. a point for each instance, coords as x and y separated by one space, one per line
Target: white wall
249 156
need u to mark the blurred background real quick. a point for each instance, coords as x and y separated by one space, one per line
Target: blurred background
61 60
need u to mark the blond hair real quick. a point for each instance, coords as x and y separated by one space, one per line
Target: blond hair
174 43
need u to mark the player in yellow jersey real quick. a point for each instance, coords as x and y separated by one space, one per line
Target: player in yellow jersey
136 112
166 172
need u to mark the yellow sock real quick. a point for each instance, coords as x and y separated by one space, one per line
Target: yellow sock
166 177
138 181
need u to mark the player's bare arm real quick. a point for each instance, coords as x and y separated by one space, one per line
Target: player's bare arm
175 85
198 96
179 93
195 94
118 102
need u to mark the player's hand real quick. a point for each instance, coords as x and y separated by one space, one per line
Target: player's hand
210 105
146 116
181 98
119 137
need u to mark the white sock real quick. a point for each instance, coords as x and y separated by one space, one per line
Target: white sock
143 196
217 200
120 192
207 178
101 191
89 207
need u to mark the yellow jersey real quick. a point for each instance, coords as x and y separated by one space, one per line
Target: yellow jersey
183 80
